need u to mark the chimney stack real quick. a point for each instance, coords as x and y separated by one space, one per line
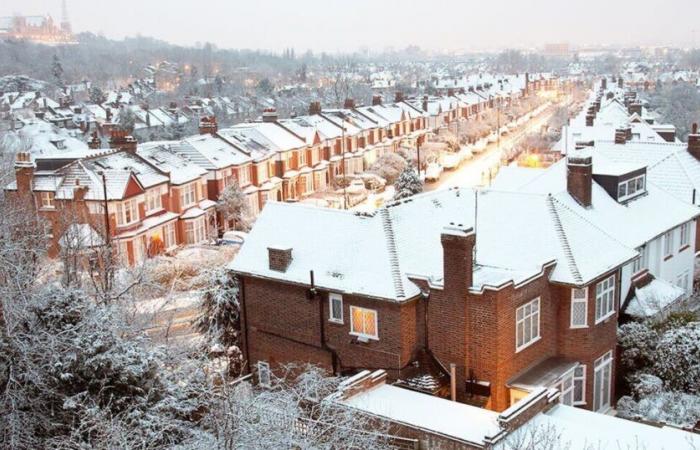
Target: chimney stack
349 103
579 177
314 108
694 142
590 117
279 258
122 140
24 172
458 258
94 142
376 100
399 97
450 92
604 83
623 135
208 125
635 108
270 115
425 103
620 82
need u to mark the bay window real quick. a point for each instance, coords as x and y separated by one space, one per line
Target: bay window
127 212
195 230
188 195
153 200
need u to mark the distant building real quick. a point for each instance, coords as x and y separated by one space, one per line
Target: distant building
40 29
557 49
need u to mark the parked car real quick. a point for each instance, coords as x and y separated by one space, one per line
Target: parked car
233 238
450 160
433 172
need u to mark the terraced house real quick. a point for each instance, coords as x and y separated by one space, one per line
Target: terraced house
442 289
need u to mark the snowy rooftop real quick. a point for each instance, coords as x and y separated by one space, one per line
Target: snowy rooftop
381 252
653 298
457 420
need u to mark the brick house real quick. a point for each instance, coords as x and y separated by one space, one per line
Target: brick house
437 280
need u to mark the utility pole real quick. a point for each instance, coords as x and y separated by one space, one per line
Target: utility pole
342 148
418 156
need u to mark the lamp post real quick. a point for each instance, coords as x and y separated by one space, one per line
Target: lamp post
342 149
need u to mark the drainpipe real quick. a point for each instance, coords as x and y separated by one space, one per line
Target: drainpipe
245 328
313 293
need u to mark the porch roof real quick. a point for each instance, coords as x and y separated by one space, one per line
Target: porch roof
544 374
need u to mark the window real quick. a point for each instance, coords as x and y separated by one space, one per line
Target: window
195 230
683 282
309 179
188 195
580 385
153 200
335 308
126 212
685 235
264 375
605 299
642 262
363 322
47 200
244 175
566 387
527 324
631 187
601 382
668 244
169 233
579 308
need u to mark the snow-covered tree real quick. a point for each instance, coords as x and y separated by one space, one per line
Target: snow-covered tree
293 413
232 206
57 70
389 167
219 316
97 96
672 408
677 358
408 184
638 341
127 120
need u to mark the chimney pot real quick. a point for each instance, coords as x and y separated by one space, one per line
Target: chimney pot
314 108
694 142
349 103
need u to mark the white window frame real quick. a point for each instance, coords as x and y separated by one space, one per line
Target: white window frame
641 263
264 374
195 230
577 301
632 187
359 333
602 364
153 200
668 243
188 195
605 294
122 208
333 297
563 392
580 379
527 320
47 200
685 235
244 175
169 235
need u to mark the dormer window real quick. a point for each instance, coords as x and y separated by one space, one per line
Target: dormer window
631 188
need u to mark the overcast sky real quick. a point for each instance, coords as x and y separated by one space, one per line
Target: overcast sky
346 25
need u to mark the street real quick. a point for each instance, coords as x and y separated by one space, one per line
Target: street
475 172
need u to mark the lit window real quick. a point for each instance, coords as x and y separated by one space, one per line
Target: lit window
527 324
47 199
668 243
685 235
363 322
580 385
605 299
335 308
579 308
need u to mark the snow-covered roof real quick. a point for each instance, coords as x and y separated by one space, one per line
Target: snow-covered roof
167 157
403 241
457 420
211 152
633 224
582 430
653 298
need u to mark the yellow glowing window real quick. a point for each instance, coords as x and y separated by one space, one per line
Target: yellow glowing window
363 322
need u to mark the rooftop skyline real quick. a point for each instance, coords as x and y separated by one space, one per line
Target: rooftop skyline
332 25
